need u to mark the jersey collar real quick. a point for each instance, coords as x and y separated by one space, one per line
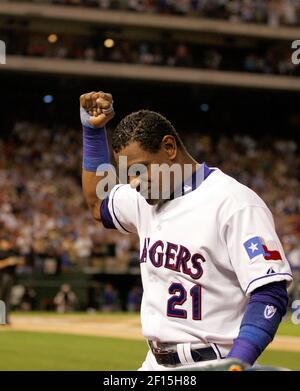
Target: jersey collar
193 182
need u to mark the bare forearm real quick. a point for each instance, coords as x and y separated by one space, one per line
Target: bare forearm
89 186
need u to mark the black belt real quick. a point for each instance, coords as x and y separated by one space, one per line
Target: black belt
164 356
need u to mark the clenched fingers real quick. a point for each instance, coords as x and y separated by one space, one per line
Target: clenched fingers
102 119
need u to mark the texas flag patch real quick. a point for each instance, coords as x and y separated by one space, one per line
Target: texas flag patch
256 246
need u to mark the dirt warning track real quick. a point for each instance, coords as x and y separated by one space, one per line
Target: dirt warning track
125 327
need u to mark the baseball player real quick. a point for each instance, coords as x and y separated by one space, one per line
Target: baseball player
213 270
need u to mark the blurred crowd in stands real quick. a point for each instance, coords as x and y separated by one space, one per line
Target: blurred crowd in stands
106 298
42 211
272 59
45 219
272 12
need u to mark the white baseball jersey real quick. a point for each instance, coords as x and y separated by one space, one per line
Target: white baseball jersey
201 256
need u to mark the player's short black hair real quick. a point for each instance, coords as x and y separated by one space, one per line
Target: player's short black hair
146 127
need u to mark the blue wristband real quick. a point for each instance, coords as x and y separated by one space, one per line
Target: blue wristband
95 145
263 314
244 350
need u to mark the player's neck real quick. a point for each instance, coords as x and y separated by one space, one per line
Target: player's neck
184 158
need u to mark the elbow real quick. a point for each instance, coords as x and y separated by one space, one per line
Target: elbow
95 210
94 205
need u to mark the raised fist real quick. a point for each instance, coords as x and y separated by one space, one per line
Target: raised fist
96 108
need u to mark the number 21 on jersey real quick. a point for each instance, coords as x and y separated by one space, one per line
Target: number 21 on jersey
180 296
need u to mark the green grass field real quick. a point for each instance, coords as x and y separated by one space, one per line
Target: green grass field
46 351
50 351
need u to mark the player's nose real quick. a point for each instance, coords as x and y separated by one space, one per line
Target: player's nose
135 183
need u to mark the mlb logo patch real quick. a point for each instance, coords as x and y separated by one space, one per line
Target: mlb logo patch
256 246
269 311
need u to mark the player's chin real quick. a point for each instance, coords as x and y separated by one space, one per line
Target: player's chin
146 194
151 201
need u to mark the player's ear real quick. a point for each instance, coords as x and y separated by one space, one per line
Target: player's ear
169 145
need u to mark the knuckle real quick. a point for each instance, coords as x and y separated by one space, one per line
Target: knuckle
105 104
